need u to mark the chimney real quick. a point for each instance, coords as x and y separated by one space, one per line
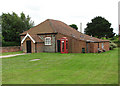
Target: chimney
81 27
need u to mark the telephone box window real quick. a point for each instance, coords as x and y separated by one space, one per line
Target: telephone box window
64 45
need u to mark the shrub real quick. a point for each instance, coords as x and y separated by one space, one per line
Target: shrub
112 46
5 44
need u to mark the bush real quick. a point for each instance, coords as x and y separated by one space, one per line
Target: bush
5 44
112 46
119 43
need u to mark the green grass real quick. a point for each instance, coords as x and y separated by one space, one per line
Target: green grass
56 68
11 53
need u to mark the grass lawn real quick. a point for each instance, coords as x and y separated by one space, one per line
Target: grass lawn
56 68
11 53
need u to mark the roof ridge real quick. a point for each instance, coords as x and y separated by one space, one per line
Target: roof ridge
69 26
51 25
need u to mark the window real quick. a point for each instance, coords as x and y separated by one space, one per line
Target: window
62 46
102 46
48 41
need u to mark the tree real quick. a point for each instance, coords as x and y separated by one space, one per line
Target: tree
13 25
99 27
0 25
74 26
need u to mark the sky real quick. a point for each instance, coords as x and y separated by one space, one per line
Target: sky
67 11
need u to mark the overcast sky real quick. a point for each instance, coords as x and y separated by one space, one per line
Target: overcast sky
67 11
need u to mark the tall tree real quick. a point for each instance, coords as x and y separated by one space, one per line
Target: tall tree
13 25
99 27
0 25
74 26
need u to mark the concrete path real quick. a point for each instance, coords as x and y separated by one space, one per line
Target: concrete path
12 55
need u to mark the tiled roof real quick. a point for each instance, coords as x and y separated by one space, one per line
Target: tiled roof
40 28
55 26
37 38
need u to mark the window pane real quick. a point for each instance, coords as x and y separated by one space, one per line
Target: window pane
47 41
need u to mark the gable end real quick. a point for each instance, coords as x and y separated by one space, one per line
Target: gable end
26 37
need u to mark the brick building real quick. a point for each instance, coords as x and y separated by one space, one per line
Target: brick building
46 36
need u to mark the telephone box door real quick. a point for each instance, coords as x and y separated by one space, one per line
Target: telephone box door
64 45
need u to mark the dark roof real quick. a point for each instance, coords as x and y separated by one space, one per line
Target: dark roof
55 26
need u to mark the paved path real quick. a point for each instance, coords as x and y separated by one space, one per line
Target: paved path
12 55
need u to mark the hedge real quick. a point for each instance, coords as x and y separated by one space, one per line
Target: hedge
5 44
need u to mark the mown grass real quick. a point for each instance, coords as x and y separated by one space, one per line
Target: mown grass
56 68
11 53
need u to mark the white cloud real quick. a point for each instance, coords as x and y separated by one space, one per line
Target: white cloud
68 11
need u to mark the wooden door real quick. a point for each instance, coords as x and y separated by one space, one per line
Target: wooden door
28 45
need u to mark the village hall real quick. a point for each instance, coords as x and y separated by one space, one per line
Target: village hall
56 36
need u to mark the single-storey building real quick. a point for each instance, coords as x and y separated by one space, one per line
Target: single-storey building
46 37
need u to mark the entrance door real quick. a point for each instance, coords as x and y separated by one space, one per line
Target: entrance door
28 45
58 45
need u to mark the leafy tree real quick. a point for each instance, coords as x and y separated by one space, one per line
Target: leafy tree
74 26
0 25
99 27
27 23
13 25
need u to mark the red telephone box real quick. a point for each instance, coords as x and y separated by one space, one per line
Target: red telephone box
64 45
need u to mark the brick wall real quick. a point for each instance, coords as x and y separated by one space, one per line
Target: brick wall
74 45
39 47
50 48
106 46
11 49
77 46
95 47
47 48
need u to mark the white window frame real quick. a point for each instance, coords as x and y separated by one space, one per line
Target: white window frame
48 42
